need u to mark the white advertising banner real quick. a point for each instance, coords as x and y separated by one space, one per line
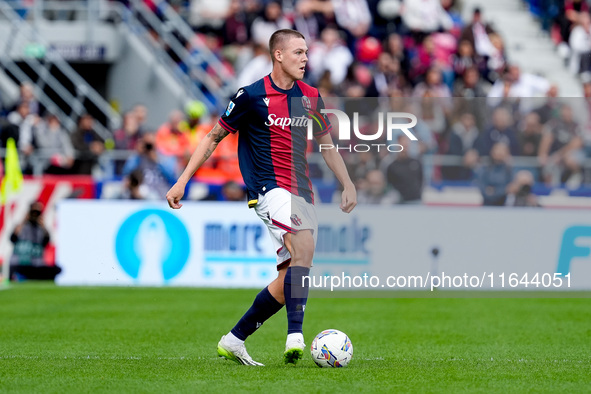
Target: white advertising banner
227 245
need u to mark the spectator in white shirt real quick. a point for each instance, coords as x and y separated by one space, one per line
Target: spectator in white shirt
259 66
425 16
330 54
273 19
516 84
353 16
580 44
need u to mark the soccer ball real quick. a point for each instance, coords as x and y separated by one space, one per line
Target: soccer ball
332 348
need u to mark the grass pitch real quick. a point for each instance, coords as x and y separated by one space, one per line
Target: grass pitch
122 340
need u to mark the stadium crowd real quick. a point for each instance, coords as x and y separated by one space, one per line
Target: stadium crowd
495 126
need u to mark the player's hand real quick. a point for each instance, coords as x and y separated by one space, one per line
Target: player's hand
348 199
174 195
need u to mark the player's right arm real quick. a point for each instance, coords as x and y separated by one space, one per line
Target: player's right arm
230 121
203 151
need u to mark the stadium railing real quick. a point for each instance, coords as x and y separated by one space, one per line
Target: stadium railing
71 104
193 64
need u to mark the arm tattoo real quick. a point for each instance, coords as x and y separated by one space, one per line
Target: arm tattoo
217 133
208 153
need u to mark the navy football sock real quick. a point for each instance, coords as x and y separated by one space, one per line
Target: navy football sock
296 296
263 307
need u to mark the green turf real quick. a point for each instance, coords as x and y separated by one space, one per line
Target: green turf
71 340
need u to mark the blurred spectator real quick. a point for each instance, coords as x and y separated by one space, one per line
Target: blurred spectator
530 134
395 47
22 119
433 112
467 171
374 190
472 91
461 139
209 16
141 115
486 44
309 19
477 34
128 135
329 54
271 20
88 145
132 187
157 172
196 123
360 164
425 16
494 178
235 26
500 131
452 7
567 20
259 66
520 191
172 141
30 239
405 174
27 94
353 16
497 62
465 59
55 145
550 107
560 150
517 84
385 77
423 59
432 86
233 191
445 46
386 18
580 45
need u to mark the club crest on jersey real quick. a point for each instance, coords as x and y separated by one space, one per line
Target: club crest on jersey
306 103
230 108
296 220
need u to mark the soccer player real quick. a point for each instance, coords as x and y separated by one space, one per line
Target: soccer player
271 152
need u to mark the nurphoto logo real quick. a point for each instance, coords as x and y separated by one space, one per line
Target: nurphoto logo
393 120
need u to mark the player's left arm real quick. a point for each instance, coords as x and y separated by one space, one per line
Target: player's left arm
336 164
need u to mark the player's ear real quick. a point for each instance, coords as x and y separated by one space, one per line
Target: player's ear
278 55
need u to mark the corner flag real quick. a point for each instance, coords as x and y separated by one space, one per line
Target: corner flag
13 177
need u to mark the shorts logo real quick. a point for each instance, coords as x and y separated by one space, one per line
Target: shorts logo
296 220
230 108
306 103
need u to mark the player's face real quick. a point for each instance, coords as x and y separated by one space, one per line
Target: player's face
295 57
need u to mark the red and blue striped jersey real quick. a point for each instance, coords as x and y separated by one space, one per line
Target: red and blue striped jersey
273 135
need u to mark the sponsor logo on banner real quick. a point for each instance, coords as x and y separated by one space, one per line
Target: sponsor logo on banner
571 248
343 245
152 246
234 250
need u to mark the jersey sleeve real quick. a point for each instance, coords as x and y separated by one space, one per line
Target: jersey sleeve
321 124
235 114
